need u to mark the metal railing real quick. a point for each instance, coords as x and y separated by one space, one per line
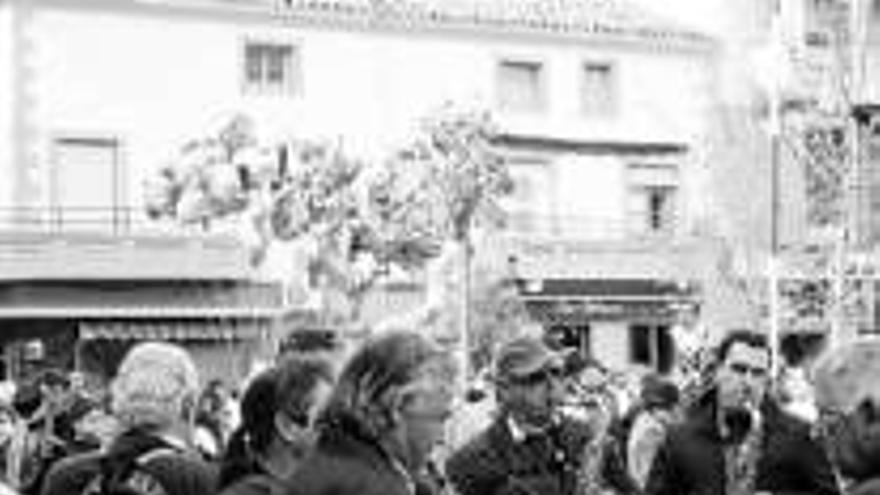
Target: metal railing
588 227
58 220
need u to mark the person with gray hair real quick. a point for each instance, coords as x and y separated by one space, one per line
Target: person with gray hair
847 392
385 416
153 397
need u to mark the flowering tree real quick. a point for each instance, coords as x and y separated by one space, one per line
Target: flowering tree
466 178
210 177
361 218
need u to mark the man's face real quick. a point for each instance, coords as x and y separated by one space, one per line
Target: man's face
743 376
422 422
534 399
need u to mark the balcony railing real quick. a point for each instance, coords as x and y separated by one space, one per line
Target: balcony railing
589 227
113 243
112 221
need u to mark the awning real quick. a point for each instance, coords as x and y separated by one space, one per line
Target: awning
604 288
582 313
206 330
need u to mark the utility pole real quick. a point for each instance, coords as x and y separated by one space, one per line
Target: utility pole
850 69
775 132
856 38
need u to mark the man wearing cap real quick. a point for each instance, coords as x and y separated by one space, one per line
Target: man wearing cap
528 448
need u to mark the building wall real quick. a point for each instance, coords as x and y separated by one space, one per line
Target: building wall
610 341
154 80
155 76
6 97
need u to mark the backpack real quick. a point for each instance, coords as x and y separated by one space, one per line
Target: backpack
133 477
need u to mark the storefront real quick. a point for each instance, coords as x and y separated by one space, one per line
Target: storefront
89 326
621 322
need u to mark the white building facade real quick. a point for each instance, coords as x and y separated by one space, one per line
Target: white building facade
603 110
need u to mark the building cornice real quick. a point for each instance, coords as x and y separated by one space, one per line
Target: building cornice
591 146
415 17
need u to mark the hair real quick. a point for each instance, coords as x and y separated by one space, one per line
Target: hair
284 388
377 375
747 337
155 384
846 376
659 393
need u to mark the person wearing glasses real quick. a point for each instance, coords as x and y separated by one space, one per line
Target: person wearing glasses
277 411
847 388
736 439
528 449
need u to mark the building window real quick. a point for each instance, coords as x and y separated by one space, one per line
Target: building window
87 186
528 205
598 89
869 190
521 86
651 346
873 23
820 20
653 209
271 68
653 199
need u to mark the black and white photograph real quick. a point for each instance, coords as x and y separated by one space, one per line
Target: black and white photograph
439 247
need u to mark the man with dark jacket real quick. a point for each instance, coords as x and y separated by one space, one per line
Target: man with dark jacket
737 441
528 449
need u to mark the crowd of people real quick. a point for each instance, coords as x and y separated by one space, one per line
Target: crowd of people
378 423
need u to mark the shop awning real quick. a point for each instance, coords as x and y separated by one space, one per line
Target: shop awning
206 330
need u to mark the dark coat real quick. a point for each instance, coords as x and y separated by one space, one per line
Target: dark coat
494 464
179 472
254 484
855 447
691 459
346 461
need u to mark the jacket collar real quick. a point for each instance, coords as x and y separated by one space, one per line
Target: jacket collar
343 434
704 414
